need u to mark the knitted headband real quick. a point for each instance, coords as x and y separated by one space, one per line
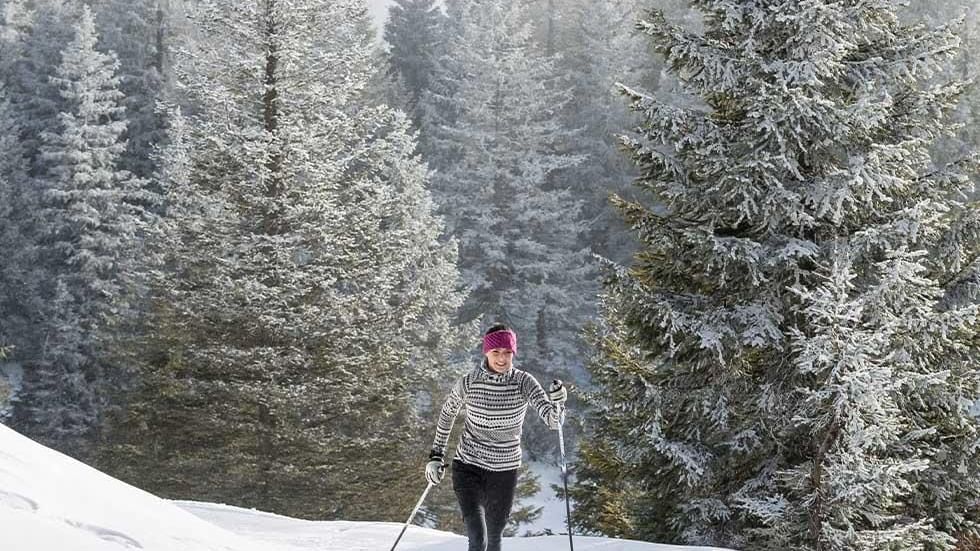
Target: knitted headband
500 339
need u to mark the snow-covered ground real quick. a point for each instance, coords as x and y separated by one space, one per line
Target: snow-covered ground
50 502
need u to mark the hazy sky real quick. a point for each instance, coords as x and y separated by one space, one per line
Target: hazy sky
378 10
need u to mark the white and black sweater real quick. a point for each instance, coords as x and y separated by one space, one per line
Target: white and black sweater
495 407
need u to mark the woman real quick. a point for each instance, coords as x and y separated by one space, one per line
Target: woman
496 396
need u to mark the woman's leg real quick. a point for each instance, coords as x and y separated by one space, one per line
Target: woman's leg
499 499
468 483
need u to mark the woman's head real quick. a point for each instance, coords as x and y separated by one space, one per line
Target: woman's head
500 346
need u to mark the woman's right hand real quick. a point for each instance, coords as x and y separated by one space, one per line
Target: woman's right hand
434 470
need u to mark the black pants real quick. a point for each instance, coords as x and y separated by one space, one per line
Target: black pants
485 498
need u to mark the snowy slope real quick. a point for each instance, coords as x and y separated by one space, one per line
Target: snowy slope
50 502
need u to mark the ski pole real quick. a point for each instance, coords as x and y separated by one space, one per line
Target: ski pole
410 517
564 471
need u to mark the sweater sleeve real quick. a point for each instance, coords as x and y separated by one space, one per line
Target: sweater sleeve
447 417
549 412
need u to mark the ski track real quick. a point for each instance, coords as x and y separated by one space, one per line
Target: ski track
17 501
106 534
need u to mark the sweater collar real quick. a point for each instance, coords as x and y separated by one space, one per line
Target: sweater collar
491 375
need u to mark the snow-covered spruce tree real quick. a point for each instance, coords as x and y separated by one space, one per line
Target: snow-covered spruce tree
499 164
15 209
89 220
435 108
788 363
34 35
970 67
412 33
16 18
136 30
16 271
599 48
307 294
966 66
31 38
59 402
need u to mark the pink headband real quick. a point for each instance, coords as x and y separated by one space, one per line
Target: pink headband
500 339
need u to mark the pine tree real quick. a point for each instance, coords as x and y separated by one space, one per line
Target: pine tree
89 204
499 154
34 35
599 48
436 108
58 404
964 66
412 32
306 295
18 277
89 221
788 362
137 32
16 272
31 38
17 19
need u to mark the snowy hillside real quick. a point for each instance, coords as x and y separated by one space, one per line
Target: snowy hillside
50 502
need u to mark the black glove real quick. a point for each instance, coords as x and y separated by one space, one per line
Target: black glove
435 468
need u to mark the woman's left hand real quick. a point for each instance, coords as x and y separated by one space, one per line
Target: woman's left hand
557 392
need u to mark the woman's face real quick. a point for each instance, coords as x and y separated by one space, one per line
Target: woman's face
500 360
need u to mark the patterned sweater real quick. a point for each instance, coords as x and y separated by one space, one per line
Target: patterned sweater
495 404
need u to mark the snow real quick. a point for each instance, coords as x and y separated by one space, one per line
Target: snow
50 502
